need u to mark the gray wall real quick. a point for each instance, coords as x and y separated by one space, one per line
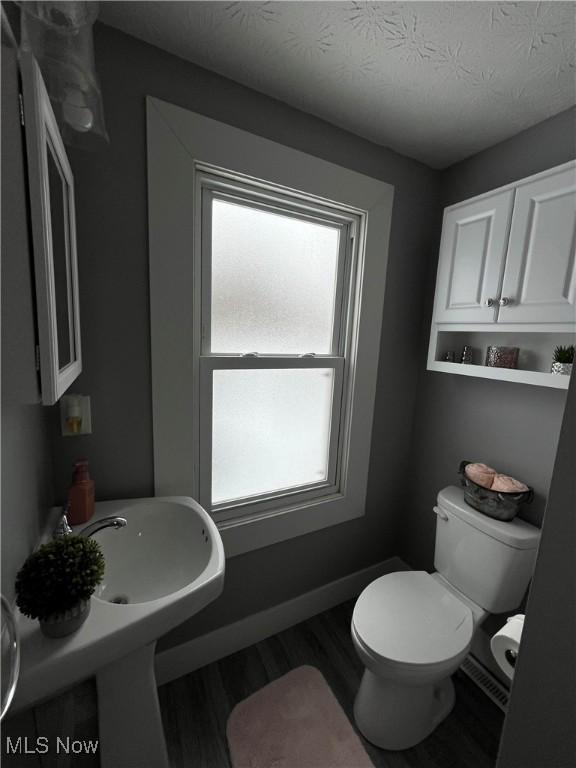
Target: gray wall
539 728
513 427
113 263
26 465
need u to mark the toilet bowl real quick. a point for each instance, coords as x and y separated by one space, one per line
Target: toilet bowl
412 629
411 633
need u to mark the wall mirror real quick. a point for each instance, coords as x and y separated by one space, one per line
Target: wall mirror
51 189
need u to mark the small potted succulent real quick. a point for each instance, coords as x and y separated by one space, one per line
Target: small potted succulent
563 359
56 581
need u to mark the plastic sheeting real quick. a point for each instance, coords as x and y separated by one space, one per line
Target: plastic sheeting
59 34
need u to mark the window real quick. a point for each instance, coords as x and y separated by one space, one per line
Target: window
266 299
276 270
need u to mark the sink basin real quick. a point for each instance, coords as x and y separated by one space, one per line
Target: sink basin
164 566
164 548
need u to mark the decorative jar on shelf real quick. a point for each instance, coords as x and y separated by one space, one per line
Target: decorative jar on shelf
563 360
502 357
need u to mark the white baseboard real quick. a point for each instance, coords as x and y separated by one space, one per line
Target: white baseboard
196 653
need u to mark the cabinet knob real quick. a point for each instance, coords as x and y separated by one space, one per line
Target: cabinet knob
505 301
489 303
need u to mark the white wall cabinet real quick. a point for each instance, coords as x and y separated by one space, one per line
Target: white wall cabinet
509 256
507 270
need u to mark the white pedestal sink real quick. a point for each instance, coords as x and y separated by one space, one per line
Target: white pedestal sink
166 564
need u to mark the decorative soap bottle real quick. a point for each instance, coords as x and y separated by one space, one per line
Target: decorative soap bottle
80 495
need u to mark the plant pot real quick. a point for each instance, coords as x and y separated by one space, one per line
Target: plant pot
63 624
563 368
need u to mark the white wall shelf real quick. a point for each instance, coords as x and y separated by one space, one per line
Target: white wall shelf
539 378
534 360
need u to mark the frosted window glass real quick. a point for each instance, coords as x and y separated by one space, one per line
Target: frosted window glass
271 430
273 282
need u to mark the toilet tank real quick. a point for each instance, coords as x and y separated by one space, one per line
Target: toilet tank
490 561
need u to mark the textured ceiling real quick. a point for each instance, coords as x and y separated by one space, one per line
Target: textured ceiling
437 81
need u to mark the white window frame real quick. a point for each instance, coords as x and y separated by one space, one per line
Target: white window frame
189 155
211 184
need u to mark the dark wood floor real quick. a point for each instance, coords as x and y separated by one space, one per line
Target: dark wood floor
195 708
71 714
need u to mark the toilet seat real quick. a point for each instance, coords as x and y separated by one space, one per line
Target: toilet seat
409 618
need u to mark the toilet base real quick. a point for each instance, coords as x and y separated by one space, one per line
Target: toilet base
396 717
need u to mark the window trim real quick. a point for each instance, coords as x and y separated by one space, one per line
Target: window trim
179 143
213 183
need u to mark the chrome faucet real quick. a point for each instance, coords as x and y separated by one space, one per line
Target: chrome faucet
104 522
63 528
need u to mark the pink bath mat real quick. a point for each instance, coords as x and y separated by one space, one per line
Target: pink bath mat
294 722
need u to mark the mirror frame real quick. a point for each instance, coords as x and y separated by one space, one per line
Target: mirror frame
41 129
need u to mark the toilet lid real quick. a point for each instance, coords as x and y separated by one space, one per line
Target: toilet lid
408 617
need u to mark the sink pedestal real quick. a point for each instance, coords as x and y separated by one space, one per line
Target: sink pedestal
131 732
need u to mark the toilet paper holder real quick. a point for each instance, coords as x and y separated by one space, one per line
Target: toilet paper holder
511 655
505 644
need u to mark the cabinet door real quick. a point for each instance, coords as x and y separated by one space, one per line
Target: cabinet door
472 251
540 275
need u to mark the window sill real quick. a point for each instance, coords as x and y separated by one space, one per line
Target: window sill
246 534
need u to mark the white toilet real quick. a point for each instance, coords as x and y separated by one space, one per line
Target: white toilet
413 629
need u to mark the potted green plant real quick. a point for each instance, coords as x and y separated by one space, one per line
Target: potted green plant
56 581
563 360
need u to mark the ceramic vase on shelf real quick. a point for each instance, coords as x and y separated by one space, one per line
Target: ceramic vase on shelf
564 369
562 360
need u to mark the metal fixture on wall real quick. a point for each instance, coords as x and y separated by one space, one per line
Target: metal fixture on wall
59 34
10 643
